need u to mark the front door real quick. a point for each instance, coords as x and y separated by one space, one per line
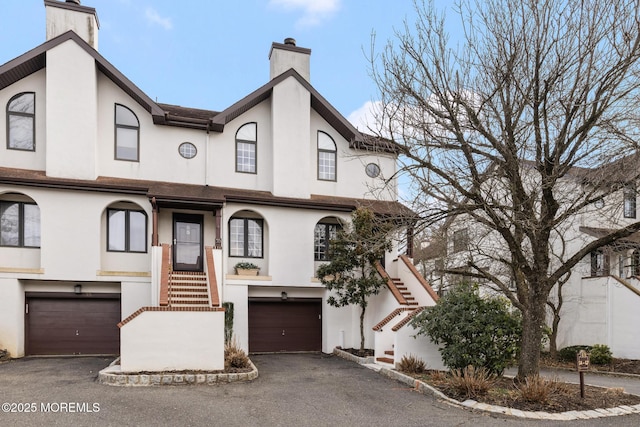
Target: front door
187 242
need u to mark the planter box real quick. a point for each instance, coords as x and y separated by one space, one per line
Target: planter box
247 271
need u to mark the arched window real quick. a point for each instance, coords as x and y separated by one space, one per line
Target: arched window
127 134
246 142
21 118
126 230
246 237
325 230
326 157
19 222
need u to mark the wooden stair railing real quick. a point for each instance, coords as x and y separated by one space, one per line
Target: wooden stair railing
211 277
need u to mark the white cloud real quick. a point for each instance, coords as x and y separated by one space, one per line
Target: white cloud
364 118
314 11
154 17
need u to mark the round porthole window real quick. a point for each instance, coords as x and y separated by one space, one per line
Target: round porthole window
372 170
187 150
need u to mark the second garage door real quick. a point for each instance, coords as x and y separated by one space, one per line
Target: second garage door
285 326
58 326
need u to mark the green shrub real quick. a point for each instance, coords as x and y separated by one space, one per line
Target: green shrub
600 354
569 354
411 365
471 330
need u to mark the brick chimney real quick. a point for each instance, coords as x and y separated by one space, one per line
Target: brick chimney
284 56
63 16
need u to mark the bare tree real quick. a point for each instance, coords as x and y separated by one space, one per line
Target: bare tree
519 128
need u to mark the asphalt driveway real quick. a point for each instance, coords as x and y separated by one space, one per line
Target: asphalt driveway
292 390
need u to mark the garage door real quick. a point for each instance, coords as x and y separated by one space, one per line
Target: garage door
285 326
73 326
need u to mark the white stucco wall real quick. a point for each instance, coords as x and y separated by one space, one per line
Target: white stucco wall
71 120
33 160
11 316
173 340
407 344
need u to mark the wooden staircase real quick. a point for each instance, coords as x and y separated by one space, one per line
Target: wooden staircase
188 289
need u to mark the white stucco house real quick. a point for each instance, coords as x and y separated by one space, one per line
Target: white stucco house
122 218
601 297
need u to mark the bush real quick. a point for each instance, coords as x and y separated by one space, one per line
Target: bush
536 389
235 357
600 354
411 365
569 354
471 382
471 330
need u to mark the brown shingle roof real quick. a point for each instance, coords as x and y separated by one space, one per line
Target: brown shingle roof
199 196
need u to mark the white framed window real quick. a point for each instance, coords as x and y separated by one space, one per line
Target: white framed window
327 154
372 170
127 131
21 118
246 144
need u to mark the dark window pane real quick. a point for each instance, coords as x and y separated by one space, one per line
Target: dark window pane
20 132
137 231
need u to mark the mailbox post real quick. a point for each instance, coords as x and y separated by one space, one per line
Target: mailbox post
582 361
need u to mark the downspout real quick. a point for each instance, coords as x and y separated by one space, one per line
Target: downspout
206 155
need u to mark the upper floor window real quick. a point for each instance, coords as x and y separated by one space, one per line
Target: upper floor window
19 224
245 237
187 150
460 240
126 230
322 235
127 134
326 157
21 117
630 201
599 263
246 141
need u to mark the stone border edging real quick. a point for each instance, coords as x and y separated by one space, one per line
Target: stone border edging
112 376
354 358
425 388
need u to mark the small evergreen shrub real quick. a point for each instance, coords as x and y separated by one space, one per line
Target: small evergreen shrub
411 365
471 329
600 354
569 354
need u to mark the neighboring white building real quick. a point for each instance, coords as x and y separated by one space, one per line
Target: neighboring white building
113 206
601 298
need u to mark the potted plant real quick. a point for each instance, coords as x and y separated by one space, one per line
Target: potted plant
245 268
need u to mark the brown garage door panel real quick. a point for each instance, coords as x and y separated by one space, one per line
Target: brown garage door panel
285 326
73 326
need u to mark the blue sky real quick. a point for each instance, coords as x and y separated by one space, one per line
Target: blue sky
210 53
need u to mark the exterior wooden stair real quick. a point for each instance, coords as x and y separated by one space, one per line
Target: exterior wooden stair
387 358
188 289
410 299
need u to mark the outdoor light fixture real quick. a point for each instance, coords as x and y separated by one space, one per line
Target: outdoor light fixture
283 295
77 289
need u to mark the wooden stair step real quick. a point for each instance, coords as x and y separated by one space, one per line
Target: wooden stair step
385 360
389 352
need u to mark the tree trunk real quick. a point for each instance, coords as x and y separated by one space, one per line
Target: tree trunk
532 323
553 345
362 329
